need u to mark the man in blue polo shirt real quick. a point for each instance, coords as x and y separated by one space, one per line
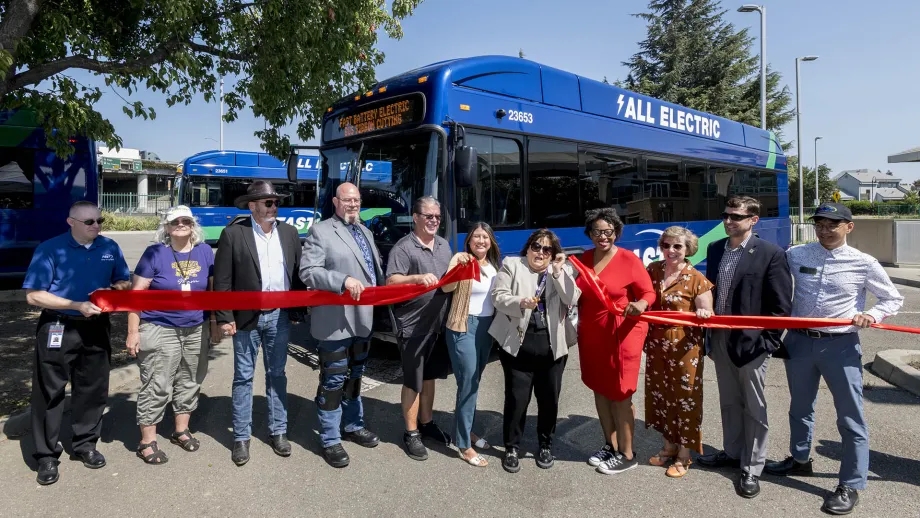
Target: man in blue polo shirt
72 336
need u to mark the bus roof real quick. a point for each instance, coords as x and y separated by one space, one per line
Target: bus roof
491 81
245 164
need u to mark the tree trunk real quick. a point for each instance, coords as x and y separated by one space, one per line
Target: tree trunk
16 22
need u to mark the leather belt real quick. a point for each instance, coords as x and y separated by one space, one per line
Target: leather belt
820 334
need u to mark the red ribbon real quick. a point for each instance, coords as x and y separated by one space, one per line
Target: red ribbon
683 318
172 300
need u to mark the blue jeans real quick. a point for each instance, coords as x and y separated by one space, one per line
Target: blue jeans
469 354
272 334
839 360
346 366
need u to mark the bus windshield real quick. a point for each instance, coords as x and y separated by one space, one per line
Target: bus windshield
391 172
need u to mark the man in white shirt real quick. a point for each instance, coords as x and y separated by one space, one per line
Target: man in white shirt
258 253
831 281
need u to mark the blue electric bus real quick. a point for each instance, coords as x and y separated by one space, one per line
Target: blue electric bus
37 188
524 146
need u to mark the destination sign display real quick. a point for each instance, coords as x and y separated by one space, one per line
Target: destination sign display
374 118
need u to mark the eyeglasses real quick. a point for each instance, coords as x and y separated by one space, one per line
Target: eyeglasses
182 221
350 201
668 246
537 248
429 217
606 232
89 222
827 225
736 217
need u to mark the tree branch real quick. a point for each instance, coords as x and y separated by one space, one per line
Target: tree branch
39 73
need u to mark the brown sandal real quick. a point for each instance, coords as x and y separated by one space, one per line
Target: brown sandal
190 443
663 457
157 457
679 468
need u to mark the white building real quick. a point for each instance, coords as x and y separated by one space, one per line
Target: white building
127 186
866 185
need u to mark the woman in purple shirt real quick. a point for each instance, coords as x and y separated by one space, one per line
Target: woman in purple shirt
171 346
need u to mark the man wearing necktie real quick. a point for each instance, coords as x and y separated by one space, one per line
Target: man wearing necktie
338 256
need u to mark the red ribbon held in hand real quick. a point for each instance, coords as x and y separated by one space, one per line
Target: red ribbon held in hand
172 300
684 318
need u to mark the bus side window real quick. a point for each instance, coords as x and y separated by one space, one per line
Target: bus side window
608 179
552 170
496 198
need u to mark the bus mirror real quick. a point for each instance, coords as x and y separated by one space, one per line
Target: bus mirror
292 167
465 163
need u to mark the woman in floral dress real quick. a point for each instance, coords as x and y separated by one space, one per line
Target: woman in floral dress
674 354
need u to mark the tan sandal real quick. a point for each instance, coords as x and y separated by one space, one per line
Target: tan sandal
679 468
663 457
478 460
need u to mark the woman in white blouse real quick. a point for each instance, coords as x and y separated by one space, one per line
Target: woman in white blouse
468 340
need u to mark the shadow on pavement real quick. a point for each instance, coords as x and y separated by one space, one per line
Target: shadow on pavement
887 467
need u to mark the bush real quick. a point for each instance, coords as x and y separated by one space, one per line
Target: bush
861 208
124 222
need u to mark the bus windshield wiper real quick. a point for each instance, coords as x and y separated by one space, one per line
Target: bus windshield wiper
355 167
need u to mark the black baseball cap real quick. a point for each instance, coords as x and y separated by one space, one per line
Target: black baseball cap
836 211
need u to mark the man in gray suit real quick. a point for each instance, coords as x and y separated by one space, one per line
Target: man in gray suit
338 256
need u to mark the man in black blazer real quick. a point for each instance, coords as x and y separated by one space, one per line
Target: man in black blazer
258 254
751 278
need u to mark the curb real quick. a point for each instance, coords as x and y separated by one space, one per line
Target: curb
892 366
915 283
12 296
18 424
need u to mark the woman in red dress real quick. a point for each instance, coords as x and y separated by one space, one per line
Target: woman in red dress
610 346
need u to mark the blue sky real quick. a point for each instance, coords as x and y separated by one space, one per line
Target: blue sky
860 95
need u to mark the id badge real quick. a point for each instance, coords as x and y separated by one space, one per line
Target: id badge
55 336
186 286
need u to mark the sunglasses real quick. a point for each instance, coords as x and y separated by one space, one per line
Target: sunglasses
668 246
607 232
89 222
537 248
181 221
271 203
429 217
736 217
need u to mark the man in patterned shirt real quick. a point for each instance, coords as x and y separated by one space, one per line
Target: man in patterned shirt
831 281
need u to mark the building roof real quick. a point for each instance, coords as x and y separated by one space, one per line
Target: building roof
865 176
889 193
909 155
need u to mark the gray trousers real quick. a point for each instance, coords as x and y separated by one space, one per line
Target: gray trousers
173 362
743 405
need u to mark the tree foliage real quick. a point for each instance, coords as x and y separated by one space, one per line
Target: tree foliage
826 186
292 58
692 57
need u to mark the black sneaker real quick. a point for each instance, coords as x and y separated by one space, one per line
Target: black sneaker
336 456
545 457
362 437
511 463
600 456
617 464
414 447
432 431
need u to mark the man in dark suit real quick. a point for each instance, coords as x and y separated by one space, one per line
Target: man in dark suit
752 278
258 254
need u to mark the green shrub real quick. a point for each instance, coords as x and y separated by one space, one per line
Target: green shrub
859 208
125 222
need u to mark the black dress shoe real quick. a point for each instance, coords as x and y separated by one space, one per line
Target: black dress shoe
91 459
790 466
545 458
336 456
748 485
47 471
511 463
240 454
718 460
363 437
280 445
842 501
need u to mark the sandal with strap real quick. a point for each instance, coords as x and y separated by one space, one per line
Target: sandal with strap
157 457
679 468
189 444
663 457
478 461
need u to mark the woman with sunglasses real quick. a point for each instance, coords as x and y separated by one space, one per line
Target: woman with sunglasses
674 354
531 296
171 346
611 345
468 340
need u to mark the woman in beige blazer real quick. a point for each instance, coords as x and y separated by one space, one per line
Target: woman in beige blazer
532 296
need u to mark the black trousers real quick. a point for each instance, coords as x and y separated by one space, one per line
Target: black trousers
83 360
532 372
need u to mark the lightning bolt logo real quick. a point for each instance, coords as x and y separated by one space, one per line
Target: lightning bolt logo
620 104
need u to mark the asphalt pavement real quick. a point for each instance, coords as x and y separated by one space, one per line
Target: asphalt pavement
384 482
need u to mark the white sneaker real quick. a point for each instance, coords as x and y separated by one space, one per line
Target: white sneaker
600 456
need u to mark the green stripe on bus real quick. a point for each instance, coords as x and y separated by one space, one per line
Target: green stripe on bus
717 233
771 157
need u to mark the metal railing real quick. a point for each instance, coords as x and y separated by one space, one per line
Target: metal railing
132 203
870 210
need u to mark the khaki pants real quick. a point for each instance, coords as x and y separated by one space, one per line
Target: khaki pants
173 363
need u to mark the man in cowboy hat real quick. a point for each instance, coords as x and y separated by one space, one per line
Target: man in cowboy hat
259 253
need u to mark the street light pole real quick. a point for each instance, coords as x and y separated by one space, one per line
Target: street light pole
221 114
798 140
762 9
817 193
